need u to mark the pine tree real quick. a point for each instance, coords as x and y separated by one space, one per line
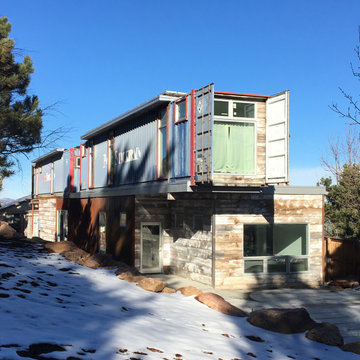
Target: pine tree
342 208
20 114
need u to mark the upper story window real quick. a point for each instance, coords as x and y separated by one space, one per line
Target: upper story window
181 110
234 109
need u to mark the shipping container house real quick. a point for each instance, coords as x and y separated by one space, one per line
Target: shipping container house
191 183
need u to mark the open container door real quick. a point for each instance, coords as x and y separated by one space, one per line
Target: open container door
277 138
204 125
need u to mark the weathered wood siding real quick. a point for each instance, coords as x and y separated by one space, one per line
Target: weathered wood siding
233 211
186 233
259 177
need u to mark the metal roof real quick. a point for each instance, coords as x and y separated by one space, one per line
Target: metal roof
48 155
165 97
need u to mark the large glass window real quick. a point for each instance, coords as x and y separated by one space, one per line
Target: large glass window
284 248
162 145
234 147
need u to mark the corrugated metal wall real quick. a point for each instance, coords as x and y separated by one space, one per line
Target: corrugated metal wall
136 151
179 138
100 161
45 179
84 169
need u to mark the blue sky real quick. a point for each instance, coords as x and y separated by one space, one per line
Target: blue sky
97 59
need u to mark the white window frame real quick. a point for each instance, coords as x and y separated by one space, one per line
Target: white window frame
240 120
288 258
231 108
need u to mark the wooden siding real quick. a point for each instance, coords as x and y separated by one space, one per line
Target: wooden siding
341 258
233 212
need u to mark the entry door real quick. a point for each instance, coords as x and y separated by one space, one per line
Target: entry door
62 225
151 247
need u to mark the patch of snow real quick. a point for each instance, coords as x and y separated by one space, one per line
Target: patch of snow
84 309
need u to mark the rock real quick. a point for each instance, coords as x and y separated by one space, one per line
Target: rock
189 291
151 284
218 303
77 255
326 333
345 283
6 230
59 247
168 290
128 276
352 347
285 321
91 262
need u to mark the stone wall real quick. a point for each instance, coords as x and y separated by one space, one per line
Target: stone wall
47 218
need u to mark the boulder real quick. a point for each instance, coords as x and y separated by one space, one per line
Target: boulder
128 276
352 347
218 303
189 291
77 255
168 290
151 284
6 230
59 247
345 283
90 262
285 321
326 333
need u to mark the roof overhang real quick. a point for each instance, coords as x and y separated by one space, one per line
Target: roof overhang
48 155
153 103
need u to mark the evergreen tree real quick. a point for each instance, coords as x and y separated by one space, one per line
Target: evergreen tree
342 208
20 114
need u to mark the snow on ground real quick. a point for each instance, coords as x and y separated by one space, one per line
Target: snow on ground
53 300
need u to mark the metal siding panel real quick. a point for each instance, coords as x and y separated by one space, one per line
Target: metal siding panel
66 170
136 151
84 171
45 179
203 133
58 175
100 162
277 138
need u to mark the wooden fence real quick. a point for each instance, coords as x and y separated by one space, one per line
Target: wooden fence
341 258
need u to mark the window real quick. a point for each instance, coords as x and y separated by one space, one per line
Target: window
221 108
77 162
82 150
110 158
238 109
234 147
102 232
181 110
162 144
279 248
243 110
